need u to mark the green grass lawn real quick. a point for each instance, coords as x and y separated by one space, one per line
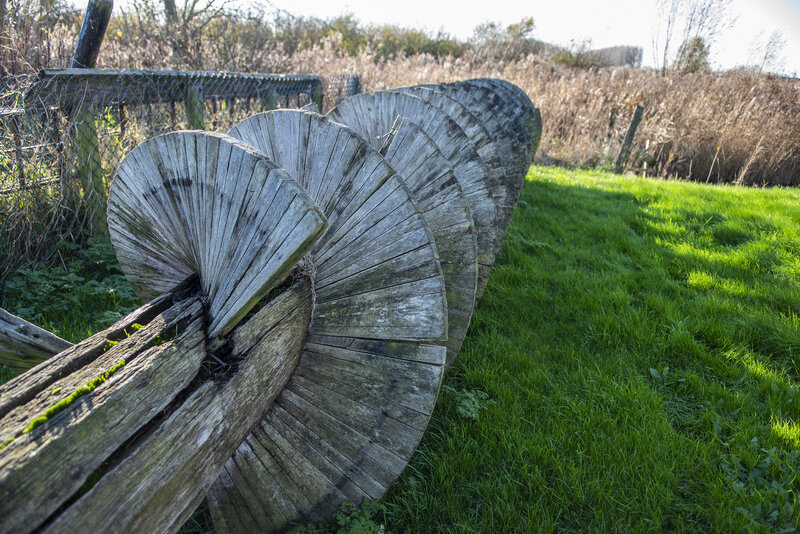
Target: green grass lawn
639 343
632 366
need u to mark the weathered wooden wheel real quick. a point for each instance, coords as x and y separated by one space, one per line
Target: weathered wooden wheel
505 192
520 107
134 423
174 211
375 114
300 321
430 177
356 406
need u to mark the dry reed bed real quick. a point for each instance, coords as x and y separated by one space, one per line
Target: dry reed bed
736 127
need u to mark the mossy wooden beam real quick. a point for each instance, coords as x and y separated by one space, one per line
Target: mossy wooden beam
24 345
137 431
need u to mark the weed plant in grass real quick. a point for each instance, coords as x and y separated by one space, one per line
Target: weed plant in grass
83 296
636 354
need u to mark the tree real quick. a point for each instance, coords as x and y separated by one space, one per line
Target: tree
683 21
692 56
184 26
491 42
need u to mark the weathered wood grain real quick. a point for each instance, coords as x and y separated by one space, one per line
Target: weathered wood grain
430 177
23 388
379 298
24 345
374 115
185 452
139 449
511 120
344 428
164 86
488 101
50 452
505 190
475 130
495 106
488 108
521 108
376 269
196 202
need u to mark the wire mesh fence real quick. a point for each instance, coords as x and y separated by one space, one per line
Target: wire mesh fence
63 133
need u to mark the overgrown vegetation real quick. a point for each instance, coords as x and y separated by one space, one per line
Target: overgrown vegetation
75 299
349 520
632 366
741 126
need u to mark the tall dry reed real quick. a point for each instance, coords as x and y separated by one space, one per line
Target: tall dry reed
737 127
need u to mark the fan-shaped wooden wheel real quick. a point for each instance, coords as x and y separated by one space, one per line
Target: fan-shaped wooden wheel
359 400
519 105
505 192
200 203
134 423
376 113
309 282
430 177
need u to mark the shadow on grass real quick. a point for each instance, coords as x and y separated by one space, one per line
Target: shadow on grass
641 346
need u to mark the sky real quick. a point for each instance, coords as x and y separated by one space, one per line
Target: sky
603 23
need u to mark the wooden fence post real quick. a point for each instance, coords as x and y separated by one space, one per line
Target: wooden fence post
14 121
352 85
625 151
269 100
95 22
194 108
316 93
89 168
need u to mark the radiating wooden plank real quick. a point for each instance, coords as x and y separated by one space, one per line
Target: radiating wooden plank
24 345
343 423
521 108
481 141
502 119
475 126
430 178
373 115
367 208
196 202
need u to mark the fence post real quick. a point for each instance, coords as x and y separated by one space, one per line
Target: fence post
269 99
625 151
316 93
536 132
14 121
95 22
90 171
194 108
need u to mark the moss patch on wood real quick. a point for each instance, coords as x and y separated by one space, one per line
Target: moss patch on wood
81 391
